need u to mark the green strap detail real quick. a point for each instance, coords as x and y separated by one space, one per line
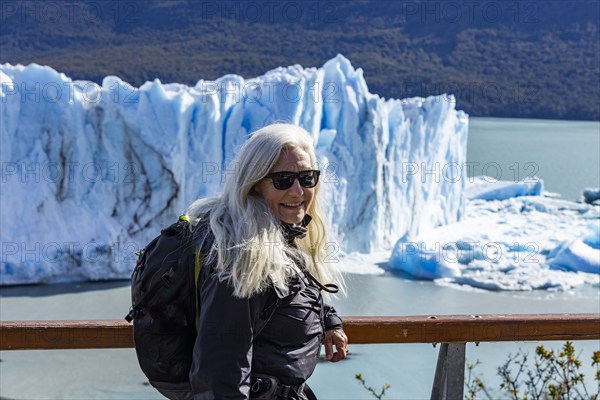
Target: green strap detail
197 267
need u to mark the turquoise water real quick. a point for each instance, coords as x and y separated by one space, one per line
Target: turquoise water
114 374
565 154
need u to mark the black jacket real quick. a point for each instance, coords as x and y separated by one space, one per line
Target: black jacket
228 350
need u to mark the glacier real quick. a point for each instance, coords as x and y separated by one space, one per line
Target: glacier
90 173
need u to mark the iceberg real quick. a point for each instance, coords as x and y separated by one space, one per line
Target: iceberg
508 241
90 173
591 195
487 188
581 254
416 259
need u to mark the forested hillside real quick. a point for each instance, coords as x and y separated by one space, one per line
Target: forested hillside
533 58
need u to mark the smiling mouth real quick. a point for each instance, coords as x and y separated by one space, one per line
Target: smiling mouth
292 205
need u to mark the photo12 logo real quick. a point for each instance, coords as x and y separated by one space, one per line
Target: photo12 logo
70 12
464 252
454 172
70 172
471 12
270 11
473 92
71 252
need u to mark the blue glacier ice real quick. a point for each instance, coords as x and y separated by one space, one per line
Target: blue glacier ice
511 237
579 254
90 173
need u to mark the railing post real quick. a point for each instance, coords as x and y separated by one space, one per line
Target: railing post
449 379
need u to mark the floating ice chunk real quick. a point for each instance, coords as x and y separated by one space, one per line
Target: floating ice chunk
486 188
591 195
508 245
579 254
593 238
416 259
576 256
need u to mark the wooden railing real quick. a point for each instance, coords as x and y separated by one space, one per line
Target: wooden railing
38 335
452 331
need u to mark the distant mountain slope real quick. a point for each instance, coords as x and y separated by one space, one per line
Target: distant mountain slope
500 58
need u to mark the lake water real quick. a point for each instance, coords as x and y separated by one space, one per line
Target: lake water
114 374
566 155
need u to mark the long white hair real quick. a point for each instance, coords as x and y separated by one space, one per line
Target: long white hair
249 247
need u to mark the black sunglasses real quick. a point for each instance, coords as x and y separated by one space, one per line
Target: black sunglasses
285 179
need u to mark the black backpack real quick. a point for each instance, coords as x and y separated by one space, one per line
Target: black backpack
165 302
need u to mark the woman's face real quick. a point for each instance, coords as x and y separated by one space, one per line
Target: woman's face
289 205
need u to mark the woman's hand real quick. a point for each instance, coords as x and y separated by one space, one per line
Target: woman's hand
337 338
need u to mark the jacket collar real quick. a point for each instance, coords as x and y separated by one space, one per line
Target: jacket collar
292 231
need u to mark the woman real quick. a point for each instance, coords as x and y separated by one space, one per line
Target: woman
262 317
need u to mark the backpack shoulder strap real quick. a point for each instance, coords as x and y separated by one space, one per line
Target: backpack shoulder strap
135 308
198 260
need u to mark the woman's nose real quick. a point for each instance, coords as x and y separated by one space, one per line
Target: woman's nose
296 187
